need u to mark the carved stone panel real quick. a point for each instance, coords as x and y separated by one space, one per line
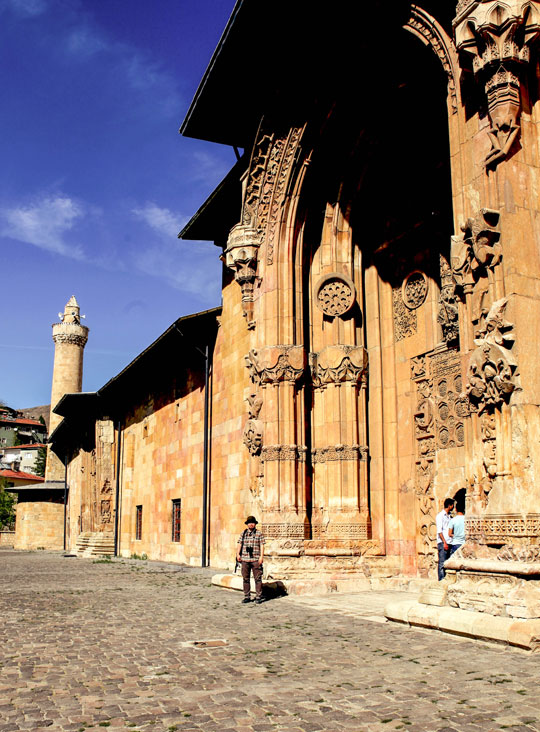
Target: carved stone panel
414 290
405 320
274 364
338 364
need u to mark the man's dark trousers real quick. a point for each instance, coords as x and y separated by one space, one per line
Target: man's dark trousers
444 554
254 567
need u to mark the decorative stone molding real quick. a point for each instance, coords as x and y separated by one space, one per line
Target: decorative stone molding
428 30
492 367
502 528
340 531
275 364
269 173
70 332
414 290
497 34
283 452
448 312
241 257
333 453
338 364
476 250
335 294
291 531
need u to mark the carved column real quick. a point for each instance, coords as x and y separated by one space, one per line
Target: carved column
275 371
340 453
498 37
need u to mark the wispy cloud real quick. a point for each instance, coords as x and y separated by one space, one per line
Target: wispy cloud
192 267
45 223
161 220
24 8
83 41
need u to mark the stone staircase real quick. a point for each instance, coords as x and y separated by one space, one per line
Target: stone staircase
95 544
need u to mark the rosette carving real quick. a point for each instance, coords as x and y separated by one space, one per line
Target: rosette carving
338 364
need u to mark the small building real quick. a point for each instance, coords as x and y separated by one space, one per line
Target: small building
24 456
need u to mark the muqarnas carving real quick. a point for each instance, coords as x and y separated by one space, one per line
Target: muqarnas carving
491 375
241 257
498 36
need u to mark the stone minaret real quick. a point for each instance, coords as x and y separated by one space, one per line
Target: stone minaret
69 338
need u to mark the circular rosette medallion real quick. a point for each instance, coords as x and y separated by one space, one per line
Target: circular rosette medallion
414 290
335 294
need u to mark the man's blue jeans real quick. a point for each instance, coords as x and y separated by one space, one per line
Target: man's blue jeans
444 554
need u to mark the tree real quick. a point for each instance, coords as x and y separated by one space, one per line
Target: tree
41 462
7 507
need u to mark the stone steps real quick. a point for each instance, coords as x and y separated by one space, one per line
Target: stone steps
95 544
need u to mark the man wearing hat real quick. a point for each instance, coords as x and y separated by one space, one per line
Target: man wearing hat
250 553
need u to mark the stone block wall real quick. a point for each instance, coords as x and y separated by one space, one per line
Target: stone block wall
40 523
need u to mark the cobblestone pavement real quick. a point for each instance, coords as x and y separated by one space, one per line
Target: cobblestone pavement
105 645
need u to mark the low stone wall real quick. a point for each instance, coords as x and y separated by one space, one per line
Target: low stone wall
39 525
7 538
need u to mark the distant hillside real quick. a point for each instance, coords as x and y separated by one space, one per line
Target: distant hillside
37 412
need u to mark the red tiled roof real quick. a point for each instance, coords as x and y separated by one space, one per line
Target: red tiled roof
22 476
23 447
21 420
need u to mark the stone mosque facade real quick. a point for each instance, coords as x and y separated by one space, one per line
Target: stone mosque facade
376 350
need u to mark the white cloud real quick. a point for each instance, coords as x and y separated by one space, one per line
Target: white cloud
192 267
45 224
24 8
83 41
161 220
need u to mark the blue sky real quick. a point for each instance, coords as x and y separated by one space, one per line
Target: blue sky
96 182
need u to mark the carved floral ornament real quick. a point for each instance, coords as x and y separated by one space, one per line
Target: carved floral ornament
492 367
338 364
276 363
498 35
335 294
414 289
477 249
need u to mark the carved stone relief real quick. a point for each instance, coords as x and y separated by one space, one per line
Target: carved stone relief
241 257
500 529
405 320
472 254
338 364
438 425
339 452
422 25
498 35
491 377
283 452
448 312
414 290
335 294
274 364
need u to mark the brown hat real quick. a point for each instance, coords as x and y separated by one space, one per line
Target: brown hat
251 520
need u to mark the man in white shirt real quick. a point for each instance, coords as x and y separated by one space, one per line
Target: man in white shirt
444 542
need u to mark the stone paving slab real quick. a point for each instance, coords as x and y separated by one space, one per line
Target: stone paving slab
95 645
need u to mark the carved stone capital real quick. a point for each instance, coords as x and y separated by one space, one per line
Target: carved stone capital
498 36
338 364
241 257
273 364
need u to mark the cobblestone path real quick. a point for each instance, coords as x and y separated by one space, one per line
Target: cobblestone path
89 645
